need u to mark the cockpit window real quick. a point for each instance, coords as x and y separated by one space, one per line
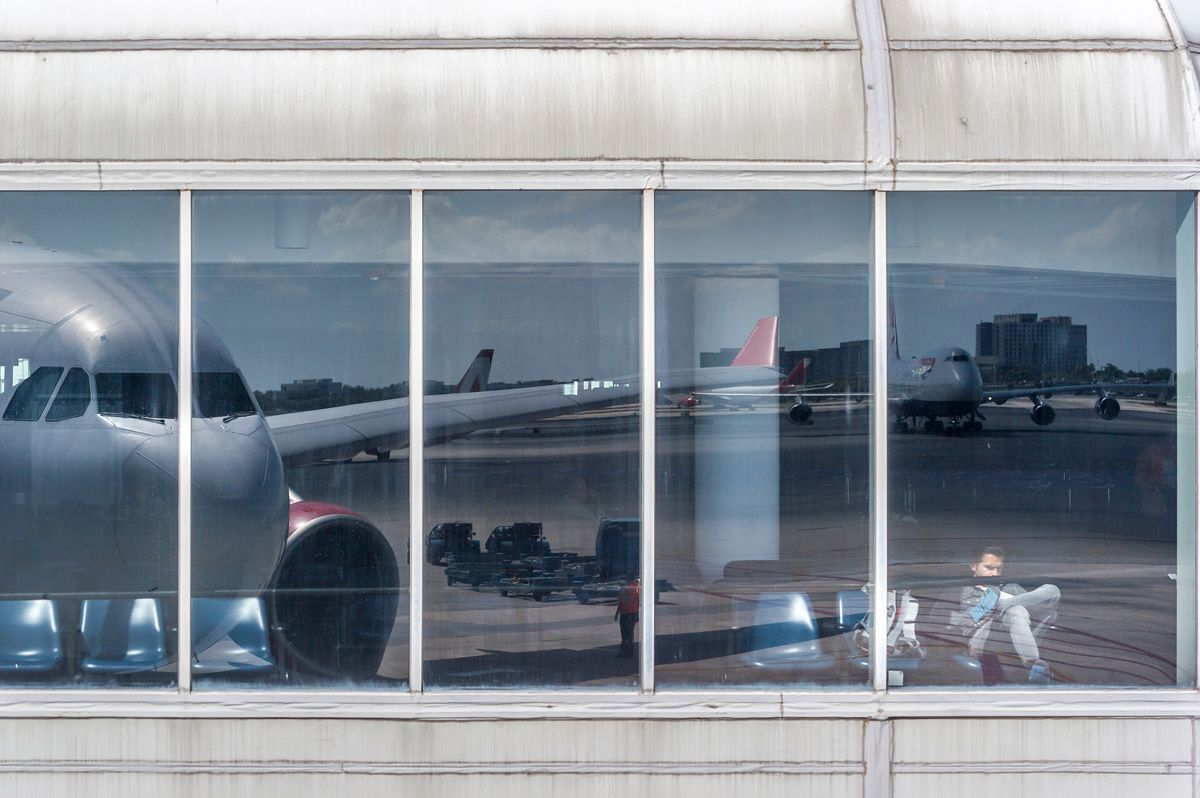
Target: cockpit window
958 358
31 396
138 395
73 397
222 395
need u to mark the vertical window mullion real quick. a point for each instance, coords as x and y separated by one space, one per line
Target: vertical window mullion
1195 411
184 557
879 465
416 441
648 467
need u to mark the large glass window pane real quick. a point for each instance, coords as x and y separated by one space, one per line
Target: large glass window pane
762 436
88 286
532 516
1041 460
300 433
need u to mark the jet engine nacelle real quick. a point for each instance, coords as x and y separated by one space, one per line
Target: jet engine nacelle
690 401
1042 415
1000 401
799 413
1107 407
334 596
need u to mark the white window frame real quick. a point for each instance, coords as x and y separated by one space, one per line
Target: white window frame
875 702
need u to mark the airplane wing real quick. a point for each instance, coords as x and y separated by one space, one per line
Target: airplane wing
339 432
999 396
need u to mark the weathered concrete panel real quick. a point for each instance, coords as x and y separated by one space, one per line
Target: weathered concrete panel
432 104
1051 106
1042 740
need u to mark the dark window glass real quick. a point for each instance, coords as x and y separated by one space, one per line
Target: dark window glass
31 395
222 394
142 395
73 397
1042 516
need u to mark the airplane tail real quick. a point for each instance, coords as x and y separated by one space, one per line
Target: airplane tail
475 378
798 375
762 347
893 338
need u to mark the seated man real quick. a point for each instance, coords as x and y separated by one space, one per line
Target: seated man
976 606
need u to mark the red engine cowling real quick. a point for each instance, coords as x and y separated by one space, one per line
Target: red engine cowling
334 596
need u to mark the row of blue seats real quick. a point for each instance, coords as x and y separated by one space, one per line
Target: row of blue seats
127 636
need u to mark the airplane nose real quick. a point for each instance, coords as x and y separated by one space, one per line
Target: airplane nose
239 504
239 510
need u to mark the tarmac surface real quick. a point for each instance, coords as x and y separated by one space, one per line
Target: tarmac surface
1086 504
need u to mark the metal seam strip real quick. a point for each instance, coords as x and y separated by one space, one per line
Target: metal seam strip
877 756
1048 766
489 706
183 648
648 467
420 43
1180 45
878 96
635 175
1195 362
1035 45
436 768
879 466
566 43
416 440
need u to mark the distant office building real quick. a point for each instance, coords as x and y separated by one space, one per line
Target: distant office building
321 387
1022 340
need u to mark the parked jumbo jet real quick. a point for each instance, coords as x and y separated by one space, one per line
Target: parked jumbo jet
941 384
88 477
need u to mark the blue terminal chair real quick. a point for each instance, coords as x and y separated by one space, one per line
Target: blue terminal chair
784 636
230 635
122 635
29 636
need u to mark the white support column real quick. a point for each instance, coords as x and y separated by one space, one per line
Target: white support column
184 439
416 441
879 430
649 469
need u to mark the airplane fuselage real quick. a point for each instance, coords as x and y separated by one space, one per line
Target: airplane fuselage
944 383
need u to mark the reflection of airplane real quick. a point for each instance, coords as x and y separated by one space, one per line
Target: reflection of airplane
945 383
745 396
88 480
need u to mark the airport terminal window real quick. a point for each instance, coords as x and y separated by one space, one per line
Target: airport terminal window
31 396
300 515
532 510
135 394
762 433
88 504
1042 513
73 397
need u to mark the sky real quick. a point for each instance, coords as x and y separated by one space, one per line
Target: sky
315 284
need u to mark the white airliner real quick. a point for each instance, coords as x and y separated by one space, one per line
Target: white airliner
88 477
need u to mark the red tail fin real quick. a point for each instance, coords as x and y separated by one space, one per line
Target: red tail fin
797 376
762 347
476 376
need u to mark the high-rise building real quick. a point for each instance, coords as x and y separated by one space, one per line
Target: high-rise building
1046 344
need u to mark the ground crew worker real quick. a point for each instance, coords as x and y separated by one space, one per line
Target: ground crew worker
628 605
